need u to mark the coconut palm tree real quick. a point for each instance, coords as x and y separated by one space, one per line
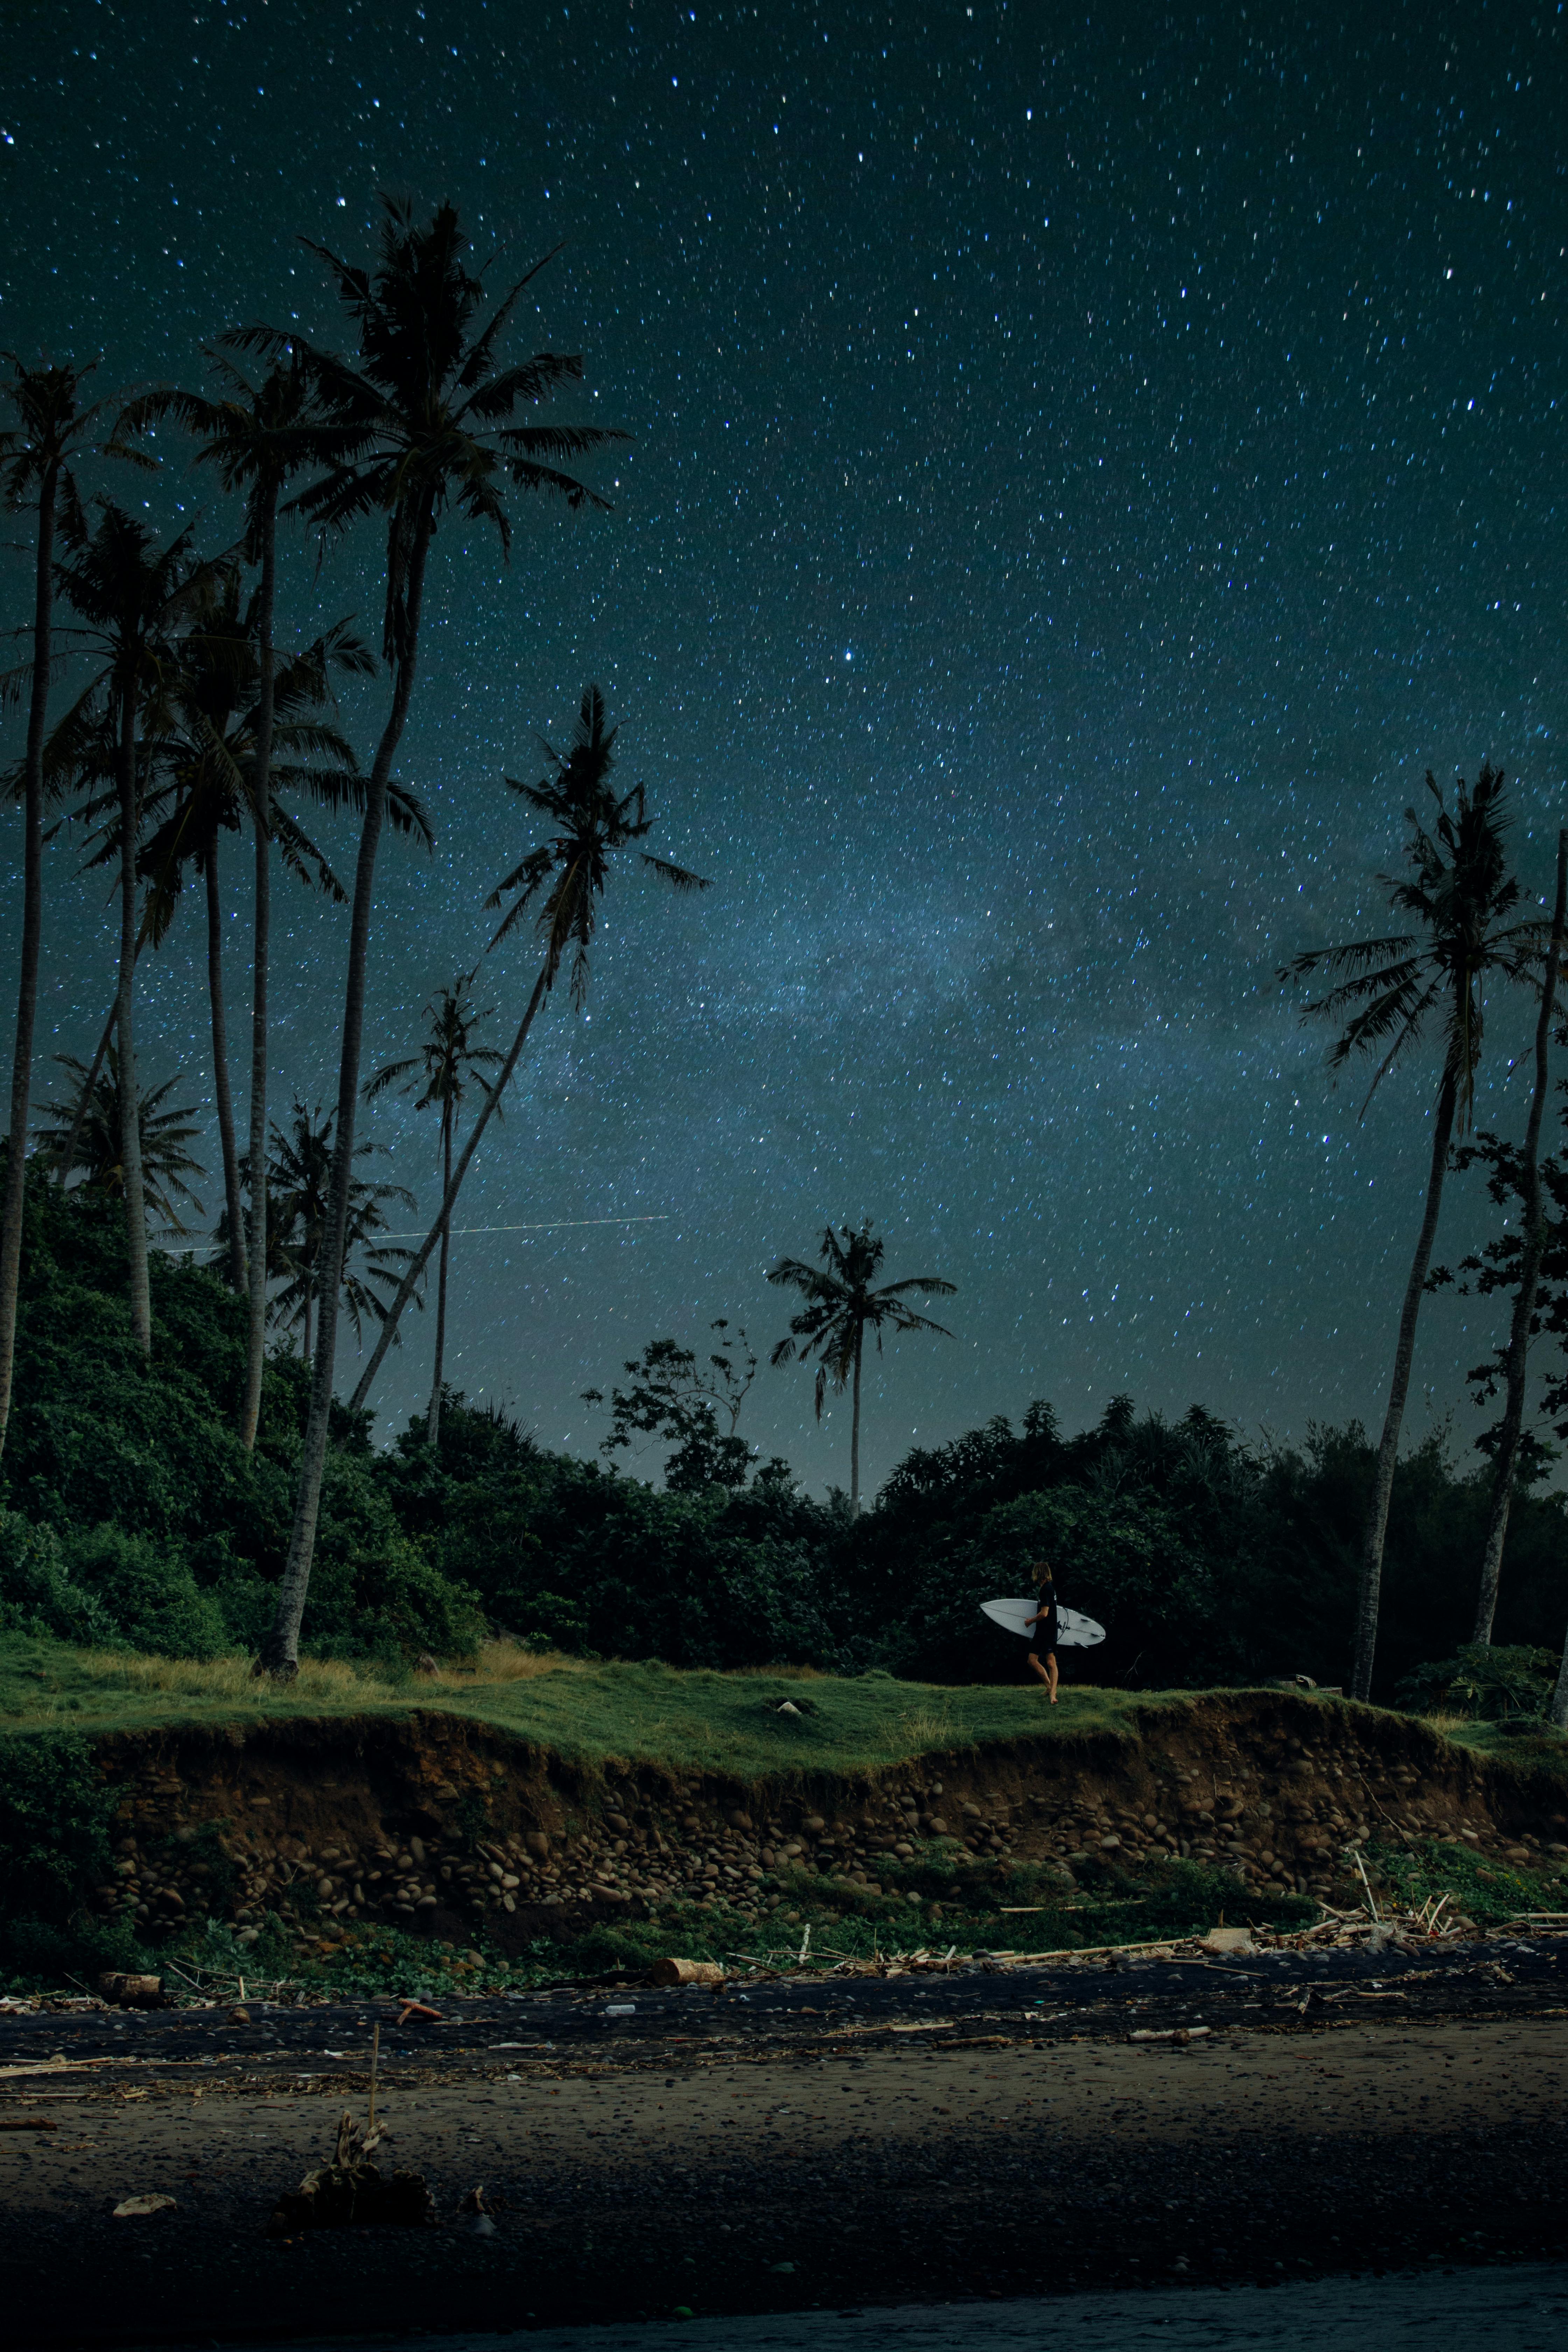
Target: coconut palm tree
591 822
257 436
38 454
199 783
87 1134
131 599
300 1183
439 1073
840 1307
426 413
1459 894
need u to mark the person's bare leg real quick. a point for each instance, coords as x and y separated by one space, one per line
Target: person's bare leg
1045 1677
1051 1676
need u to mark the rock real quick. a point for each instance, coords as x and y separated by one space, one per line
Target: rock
686 1972
474 2215
815 1823
537 1843
238 2016
142 2209
1228 1940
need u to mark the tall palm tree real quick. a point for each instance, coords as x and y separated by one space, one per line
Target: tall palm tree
198 782
1505 1462
257 436
298 1184
38 456
131 599
426 415
840 1307
1460 893
87 1135
591 822
439 1073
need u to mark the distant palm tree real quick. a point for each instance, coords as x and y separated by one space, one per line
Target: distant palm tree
424 412
130 598
591 822
298 1185
37 457
94 1135
257 436
440 1073
1459 891
840 1309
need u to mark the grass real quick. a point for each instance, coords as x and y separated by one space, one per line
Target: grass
587 1709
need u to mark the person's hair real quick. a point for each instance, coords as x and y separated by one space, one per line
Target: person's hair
1044 1572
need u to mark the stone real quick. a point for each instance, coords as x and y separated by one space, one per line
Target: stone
142 2209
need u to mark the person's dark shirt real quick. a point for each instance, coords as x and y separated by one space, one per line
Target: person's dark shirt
1046 1630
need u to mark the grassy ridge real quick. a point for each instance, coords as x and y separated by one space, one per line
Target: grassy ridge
590 1710
581 1709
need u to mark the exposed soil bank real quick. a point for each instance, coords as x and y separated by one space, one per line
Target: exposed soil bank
905 2175
440 1823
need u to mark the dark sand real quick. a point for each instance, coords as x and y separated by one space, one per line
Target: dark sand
905 2174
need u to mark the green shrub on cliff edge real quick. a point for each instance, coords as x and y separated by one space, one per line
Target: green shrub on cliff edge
132 1516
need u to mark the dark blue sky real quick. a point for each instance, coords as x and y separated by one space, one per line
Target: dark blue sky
1087 466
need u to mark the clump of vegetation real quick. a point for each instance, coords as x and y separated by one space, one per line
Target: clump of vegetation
1499 1684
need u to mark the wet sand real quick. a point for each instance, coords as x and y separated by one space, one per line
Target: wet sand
726 2182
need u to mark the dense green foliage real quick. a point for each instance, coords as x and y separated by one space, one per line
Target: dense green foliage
132 1514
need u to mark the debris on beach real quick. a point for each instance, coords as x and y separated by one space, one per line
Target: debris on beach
352 2191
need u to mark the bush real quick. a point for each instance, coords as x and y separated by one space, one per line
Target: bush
55 1812
1496 1683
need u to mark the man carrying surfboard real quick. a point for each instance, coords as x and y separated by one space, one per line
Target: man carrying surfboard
1043 1656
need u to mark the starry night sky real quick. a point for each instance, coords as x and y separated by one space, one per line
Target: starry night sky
1089 465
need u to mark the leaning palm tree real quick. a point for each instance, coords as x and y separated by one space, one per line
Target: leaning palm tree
439 1074
86 1136
1460 893
298 1185
591 822
840 1307
1511 1436
130 598
257 436
37 458
425 412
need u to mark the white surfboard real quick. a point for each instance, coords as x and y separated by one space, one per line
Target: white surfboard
1074 1629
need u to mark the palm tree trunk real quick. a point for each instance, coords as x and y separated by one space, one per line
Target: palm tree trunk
280 1650
433 1418
305 1342
256 1336
421 1259
11 1215
221 1094
1403 1355
67 1160
1506 1462
854 1429
1559 1709
130 1094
